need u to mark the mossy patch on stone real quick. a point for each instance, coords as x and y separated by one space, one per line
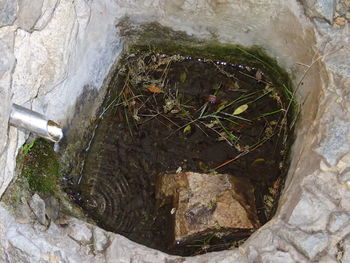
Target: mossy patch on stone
40 167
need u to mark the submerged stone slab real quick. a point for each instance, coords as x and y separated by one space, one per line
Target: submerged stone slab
204 203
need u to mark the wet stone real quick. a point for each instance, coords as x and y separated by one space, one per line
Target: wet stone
202 203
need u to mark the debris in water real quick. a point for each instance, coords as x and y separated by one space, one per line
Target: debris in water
240 109
154 89
258 75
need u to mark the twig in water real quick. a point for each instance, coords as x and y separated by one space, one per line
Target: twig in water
231 160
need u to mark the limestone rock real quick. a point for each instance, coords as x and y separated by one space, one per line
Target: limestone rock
346 253
100 239
337 221
334 144
344 176
206 202
48 8
76 42
29 13
79 231
8 11
38 207
52 207
277 257
311 245
310 213
321 9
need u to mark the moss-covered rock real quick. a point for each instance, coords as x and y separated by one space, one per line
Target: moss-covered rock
40 166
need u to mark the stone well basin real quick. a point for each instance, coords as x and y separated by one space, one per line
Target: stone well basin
56 54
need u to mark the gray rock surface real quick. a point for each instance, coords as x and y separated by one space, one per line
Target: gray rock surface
310 214
337 221
321 9
56 49
28 14
345 254
38 207
47 11
334 144
8 11
311 245
80 232
101 239
52 206
277 257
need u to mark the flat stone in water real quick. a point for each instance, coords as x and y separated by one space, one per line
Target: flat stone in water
207 203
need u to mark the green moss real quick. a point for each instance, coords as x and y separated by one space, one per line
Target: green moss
40 167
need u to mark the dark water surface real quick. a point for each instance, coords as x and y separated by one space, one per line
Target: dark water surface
165 112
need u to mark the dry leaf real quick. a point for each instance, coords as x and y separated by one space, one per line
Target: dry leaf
232 86
154 89
240 109
258 160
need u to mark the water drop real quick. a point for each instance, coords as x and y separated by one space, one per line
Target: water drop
56 147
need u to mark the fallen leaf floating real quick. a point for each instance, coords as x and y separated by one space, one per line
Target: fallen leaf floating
240 109
187 129
258 160
154 89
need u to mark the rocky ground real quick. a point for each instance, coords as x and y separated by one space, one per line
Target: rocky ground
43 58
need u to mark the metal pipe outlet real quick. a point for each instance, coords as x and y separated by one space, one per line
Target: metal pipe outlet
35 122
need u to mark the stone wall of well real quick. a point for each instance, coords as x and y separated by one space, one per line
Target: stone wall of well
52 51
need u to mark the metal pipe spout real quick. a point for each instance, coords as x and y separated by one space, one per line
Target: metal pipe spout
35 122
